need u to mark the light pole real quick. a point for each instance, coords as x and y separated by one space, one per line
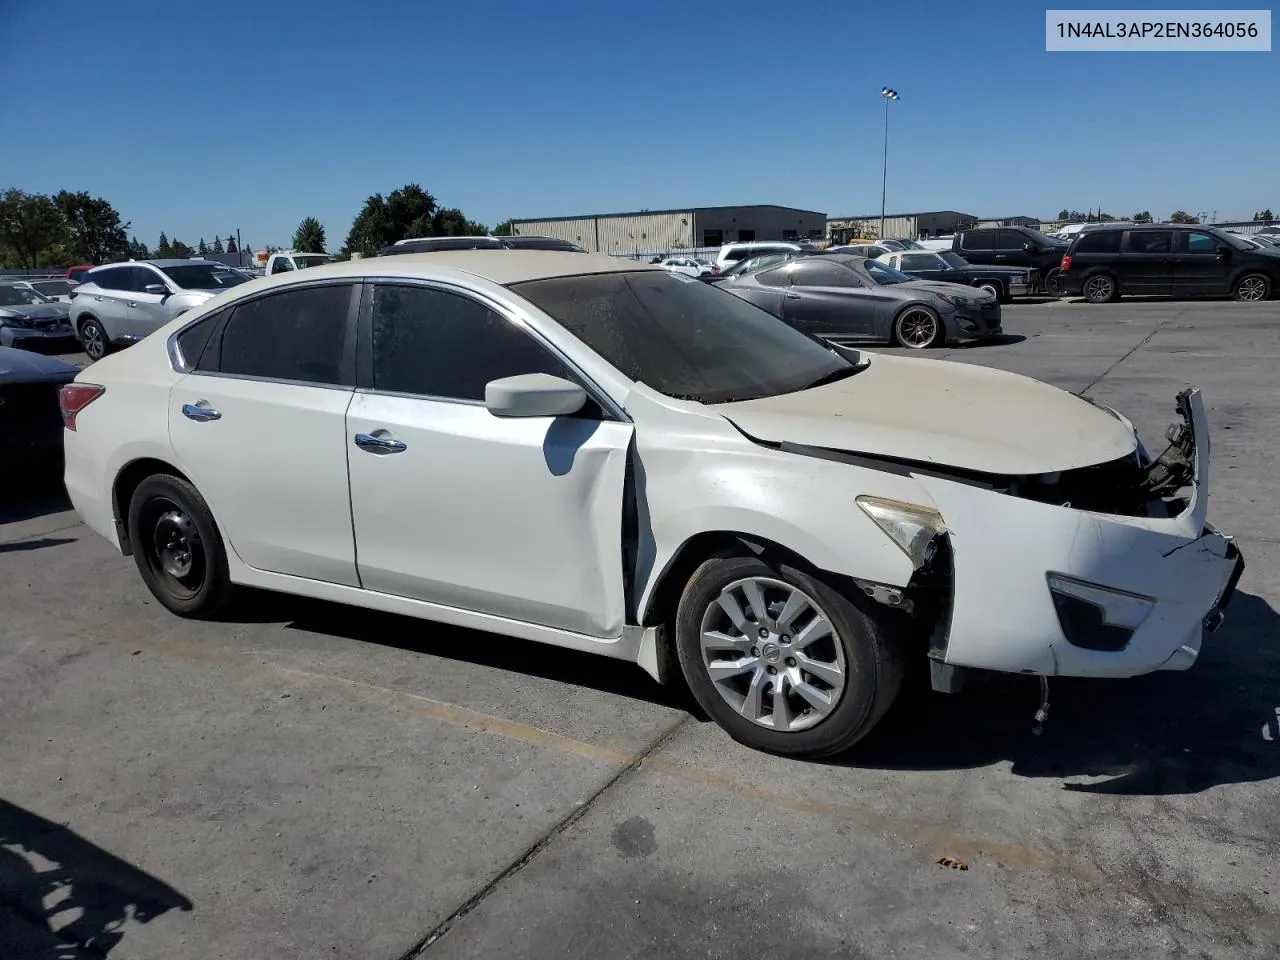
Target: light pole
888 95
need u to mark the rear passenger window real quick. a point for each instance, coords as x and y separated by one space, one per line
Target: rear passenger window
978 240
297 335
816 274
1102 241
1151 241
432 343
113 278
193 340
777 277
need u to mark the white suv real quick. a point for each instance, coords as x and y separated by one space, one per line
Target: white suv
731 253
123 302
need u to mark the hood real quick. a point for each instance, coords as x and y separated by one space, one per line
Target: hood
950 289
945 413
37 311
19 366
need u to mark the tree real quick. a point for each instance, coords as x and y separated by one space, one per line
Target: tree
31 229
309 237
136 250
451 223
505 229
1264 215
164 250
1181 216
217 245
179 250
406 212
93 231
369 229
202 248
1142 217
231 243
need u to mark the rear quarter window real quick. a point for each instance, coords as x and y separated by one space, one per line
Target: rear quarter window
1100 241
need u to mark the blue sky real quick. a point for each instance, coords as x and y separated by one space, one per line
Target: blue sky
197 119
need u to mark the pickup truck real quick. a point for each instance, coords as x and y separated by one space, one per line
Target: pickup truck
290 260
1009 247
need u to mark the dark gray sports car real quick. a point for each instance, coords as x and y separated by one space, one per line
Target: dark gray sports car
845 298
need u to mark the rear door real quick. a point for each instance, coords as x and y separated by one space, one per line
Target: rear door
259 428
1198 268
1145 264
979 246
518 518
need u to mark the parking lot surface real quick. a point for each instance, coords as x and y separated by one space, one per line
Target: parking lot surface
309 780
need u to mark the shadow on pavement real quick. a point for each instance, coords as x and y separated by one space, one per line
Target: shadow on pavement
90 893
39 543
1165 733
1001 340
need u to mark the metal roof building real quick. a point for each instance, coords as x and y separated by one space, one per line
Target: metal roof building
683 229
914 226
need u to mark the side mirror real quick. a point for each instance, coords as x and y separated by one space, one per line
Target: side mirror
1224 252
1029 247
533 395
159 289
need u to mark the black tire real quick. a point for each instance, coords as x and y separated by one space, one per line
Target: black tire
1100 288
164 509
1052 282
93 339
907 332
1252 288
873 660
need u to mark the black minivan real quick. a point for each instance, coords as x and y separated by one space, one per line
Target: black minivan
1167 260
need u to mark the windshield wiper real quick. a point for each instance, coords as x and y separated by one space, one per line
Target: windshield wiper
837 375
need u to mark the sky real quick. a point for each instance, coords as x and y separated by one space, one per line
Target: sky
200 119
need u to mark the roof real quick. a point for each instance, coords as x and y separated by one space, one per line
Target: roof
646 213
164 263
499 266
894 216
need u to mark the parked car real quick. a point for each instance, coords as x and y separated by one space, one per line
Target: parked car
30 424
689 266
759 262
439 244
122 303
868 250
56 290
895 243
1009 247
596 454
1168 260
1003 283
846 299
731 253
76 274
286 260
28 320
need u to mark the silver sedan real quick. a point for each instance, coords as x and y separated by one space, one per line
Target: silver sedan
851 299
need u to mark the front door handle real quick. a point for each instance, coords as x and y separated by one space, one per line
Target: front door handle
97 299
133 303
793 296
200 412
380 445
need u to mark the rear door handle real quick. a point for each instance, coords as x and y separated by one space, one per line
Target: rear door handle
200 412
379 445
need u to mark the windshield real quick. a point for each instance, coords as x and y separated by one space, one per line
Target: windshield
204 276
52 288
309 259
884 274
954 260
19 297
1044 240
683 338
1232 240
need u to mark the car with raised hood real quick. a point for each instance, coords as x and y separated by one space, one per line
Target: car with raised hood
32 321
51 288
1003 283
603 455
850 299
121 303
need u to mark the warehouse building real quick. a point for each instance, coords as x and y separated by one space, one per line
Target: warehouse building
914 226
668 231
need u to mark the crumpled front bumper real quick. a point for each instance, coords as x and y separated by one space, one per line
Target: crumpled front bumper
1003 548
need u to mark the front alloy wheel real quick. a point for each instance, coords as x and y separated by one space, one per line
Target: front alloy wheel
1253 288
772 654
918 328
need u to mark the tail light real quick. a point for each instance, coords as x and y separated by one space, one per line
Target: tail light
715 268
1066 262
74 397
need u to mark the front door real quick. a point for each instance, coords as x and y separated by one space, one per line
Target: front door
259 429
1198 268
147 312
1145 265
829 300
519 518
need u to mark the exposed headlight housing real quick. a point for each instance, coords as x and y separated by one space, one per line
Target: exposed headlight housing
954 299
1096 617
915 529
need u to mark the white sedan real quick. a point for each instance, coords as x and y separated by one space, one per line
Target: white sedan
687 265
603 455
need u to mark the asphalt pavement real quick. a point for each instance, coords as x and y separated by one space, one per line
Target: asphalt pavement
309 780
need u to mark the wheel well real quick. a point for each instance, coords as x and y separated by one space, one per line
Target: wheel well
127 481
996 281
82 320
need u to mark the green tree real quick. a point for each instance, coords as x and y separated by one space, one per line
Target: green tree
31 229
164 249
217 245
231 243
1264 215
369 229
136 250
309 237
505 229
1181 216
406 212
202 248
179 250
93 230
452 223
1142 217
